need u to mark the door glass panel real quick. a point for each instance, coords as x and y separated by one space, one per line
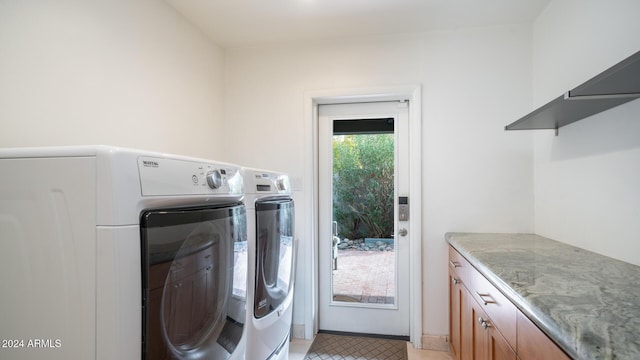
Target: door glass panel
363 245
188 277
274 227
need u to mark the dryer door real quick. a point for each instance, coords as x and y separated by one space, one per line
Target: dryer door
274 255
191 307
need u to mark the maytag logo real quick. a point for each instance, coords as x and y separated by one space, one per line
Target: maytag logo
149 163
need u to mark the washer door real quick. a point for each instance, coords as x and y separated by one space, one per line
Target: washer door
191 307
274 255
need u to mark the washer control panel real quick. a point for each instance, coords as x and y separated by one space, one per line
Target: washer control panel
215 179
265 182
165 177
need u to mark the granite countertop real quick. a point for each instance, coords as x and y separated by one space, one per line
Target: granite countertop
589 304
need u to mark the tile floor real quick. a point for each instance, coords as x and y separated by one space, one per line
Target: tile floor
298 349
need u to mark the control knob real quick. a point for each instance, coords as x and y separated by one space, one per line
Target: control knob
281 184
214 179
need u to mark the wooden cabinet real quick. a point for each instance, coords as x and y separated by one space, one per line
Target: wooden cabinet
473 334
501 311
498 347
484 324
533 344
485 341
456 291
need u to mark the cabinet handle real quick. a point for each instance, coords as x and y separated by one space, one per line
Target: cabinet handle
484 300
484 323
455 281
455 264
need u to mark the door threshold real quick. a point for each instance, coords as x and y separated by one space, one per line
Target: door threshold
377 336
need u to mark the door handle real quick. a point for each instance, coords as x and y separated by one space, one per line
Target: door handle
403 232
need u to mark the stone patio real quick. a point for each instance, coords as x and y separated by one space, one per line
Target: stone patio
365 277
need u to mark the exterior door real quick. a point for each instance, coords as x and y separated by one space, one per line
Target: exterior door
363 252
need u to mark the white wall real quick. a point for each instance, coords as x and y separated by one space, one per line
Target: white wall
130 73
587 180
477 177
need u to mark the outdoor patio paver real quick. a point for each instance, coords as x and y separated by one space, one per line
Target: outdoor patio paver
365 276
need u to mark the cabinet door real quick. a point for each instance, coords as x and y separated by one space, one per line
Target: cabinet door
455 313
501 311
533 344
499 348
486 342
474 337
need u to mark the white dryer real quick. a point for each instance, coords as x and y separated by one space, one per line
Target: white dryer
270 230
110 253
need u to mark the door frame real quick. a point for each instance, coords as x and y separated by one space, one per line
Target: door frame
413 93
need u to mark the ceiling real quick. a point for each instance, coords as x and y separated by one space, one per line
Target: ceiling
234 23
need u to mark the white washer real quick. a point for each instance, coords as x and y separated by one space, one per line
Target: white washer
270 231
75 263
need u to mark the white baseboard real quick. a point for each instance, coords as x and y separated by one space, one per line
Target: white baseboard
297 331
435 342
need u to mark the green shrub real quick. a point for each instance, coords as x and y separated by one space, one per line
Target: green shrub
363 185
